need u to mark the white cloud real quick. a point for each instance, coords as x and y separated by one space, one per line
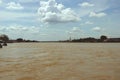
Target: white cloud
44 34
93 14
52 12
88 22
86 4
10 16
75 32
76 29
19 29
16 31
27 1
99 5
26 32
97 29
14 6
0 1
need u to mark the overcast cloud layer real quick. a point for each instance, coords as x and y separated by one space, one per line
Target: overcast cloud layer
48 19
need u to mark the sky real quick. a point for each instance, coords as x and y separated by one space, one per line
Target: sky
47 20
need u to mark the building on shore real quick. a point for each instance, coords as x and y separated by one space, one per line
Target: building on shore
113 40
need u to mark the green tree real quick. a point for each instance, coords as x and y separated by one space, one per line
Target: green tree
19 40
4 37
103 37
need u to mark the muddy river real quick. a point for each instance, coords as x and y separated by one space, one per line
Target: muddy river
60 61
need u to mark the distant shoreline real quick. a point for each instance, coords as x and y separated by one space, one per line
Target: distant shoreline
61 42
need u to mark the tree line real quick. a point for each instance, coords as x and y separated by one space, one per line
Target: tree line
5 38
102 38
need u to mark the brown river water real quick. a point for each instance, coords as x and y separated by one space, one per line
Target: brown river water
60 61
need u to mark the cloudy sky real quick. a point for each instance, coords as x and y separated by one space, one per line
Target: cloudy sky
59 19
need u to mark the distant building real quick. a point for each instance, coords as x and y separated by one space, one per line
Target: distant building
113 40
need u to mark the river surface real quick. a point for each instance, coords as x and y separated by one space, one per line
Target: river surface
60 61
